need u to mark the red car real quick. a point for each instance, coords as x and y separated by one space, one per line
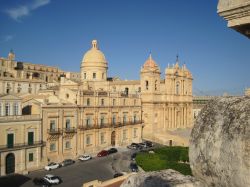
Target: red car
103 153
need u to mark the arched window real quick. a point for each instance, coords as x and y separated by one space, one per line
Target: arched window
139 89
88 101
124 101
177 88
146 85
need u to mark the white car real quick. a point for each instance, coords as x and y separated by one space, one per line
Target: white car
85 157
51 166
52 179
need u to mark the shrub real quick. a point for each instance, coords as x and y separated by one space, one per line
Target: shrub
165 158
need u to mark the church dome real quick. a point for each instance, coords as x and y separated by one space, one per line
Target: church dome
94 54
150 64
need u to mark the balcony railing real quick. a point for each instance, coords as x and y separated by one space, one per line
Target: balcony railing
109 125
69 130
22 145
54 131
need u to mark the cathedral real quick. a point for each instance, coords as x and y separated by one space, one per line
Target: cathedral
69 114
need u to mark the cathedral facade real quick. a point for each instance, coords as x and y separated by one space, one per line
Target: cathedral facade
88 111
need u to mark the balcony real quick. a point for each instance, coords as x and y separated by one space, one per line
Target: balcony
54 131
22 146
70 130
109 125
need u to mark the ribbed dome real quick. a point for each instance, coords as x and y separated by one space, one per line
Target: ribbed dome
94 54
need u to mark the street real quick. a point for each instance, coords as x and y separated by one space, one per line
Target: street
100 168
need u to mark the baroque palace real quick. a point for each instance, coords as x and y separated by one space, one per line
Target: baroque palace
47 114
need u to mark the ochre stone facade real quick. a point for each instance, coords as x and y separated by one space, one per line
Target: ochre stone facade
88 111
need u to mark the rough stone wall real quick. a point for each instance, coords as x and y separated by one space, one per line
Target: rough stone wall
219 150
164 178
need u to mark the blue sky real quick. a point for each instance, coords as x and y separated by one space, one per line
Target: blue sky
59 32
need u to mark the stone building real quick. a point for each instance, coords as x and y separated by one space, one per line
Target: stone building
27 78
20 141
88 111
237 13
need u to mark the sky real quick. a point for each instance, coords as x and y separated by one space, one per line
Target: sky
59 32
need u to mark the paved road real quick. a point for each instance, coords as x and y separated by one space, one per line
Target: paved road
75 175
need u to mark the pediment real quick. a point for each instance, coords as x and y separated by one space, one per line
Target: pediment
9 97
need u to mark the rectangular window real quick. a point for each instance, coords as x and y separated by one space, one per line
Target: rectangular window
134 120
10 140
0 109
124 119
30 138
31 157
88 102
88 121
113 102
15 109
7 109
124 134
84 76
135 133
88 140
102 121
52 147
67 123
67 145
113 120
94 75
102 102
102 138
52 125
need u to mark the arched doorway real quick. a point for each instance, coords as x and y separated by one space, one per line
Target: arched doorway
10 163
113 138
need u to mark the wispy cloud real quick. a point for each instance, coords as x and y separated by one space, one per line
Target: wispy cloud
6 38
17 13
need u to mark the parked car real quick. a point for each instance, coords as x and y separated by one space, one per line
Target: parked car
67 162
118 175
51 166
84 157
112 150
134 146
134 167
102 153
41 182
133 156
52 179
143 145
149 144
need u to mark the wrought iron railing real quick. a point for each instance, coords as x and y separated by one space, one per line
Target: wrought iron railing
109 125
54 131
70 130
22 145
